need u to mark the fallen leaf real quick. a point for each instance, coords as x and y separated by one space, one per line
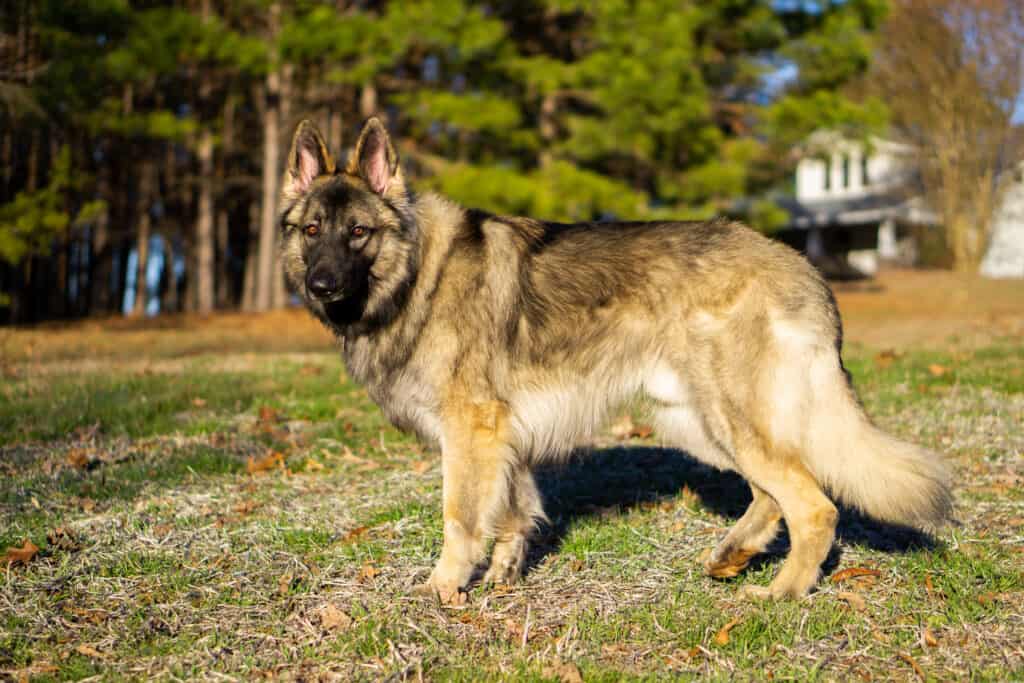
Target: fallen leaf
23 555
268 462
79 458
363 463
368 572
309 369
421 466
884 359
284 583
199 402
162 530
246 507
913 664
854 572
332 618
722 637
929 638
937 370
313 465
565 672
88 504
90 651
854 600
642 431
576 565
268 414
356 533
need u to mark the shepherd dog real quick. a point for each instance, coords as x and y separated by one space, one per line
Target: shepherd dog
506 342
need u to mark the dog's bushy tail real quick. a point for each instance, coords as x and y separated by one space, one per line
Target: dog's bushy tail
862 466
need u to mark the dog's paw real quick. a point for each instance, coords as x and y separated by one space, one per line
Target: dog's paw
428 589
500 574
755 593
772 592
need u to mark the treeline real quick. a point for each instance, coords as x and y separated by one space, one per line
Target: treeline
143 142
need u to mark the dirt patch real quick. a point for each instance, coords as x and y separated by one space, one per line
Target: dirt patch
930 308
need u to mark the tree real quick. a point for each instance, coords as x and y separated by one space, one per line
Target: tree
952 72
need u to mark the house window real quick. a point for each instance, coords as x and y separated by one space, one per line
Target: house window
846 171
865 177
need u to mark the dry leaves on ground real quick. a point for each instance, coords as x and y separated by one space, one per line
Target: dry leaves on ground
854 600
913 664
22 555
63 538
722 637
79 458
853 573
90 651
334 619
368 572
268 462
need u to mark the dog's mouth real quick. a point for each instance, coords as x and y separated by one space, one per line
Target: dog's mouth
346 309
334 297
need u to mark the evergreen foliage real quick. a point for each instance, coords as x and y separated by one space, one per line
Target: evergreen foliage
562 109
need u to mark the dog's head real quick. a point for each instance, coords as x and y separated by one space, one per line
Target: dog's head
350 242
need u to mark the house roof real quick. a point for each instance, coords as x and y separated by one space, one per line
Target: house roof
852 211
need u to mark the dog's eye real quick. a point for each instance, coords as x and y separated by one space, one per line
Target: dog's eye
359 230
312 230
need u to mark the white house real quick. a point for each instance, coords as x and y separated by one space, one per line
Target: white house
852 208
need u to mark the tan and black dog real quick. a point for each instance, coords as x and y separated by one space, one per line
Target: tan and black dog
507 341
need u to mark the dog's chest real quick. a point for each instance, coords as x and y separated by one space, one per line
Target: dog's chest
409 404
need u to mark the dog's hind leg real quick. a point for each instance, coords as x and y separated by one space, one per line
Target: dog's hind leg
514 528
810 516
748 537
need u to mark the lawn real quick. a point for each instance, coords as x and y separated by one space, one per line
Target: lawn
214 499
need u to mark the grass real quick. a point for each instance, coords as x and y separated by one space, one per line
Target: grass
173 560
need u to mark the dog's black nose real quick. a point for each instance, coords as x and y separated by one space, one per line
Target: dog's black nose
322 285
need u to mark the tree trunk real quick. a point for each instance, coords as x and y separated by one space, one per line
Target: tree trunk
100 260
223 226
271 157
205 225
169 297
280 295
250 277
368 101
147 187
334 128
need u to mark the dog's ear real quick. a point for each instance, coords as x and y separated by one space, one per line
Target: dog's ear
307 160
376 161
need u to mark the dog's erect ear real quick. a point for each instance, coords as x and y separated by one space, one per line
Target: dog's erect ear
375 160
307 160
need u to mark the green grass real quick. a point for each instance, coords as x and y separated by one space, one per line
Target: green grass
186 564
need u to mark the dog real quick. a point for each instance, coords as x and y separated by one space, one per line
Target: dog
507 341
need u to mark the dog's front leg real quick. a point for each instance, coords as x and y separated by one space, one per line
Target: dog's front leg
475 467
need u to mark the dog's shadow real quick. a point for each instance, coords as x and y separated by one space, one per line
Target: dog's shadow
616 480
